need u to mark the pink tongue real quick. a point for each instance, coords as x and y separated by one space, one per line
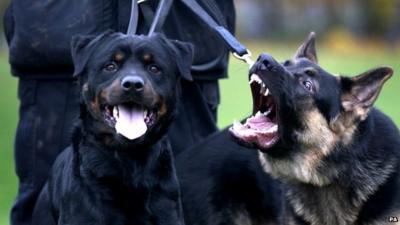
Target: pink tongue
130 122
257 129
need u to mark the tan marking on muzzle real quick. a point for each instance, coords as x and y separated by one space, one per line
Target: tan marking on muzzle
112 90
95 107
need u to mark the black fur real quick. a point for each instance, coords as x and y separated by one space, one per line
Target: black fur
103 177
337 159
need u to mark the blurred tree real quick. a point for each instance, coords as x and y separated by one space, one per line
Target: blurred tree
288 18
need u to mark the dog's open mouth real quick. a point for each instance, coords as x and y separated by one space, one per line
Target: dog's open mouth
129 119
261 129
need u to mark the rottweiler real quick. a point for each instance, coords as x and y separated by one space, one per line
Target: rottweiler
325 155
119 168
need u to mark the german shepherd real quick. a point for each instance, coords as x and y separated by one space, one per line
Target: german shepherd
119 169
333 158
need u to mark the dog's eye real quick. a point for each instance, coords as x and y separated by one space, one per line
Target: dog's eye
287 63
154 69
311 72
308 85
111 67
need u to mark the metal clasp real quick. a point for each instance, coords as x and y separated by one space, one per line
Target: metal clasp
140 1
245 58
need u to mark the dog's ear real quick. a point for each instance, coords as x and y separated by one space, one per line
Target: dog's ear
307 49
79 53
359 93
185 53
82 46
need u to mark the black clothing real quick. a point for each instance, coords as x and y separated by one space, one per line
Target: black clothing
39 33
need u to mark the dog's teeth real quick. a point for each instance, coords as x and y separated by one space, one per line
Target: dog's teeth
236 124
266 93
273 129
267 112
145 113
255 78
262 90
115 112
258 114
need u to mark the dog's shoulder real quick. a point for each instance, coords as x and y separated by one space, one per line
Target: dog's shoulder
382 126
383 144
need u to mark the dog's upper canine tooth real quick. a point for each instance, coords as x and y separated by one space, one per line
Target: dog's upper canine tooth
266 93
145 113
262 90
267 112
115 112
255 78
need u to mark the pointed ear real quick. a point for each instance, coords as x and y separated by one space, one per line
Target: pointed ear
359 93
307 49
79 55
185 52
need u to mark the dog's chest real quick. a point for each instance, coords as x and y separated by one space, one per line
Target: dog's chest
322 206
100 205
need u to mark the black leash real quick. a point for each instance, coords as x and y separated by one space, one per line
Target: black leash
161 14
133 20
238 50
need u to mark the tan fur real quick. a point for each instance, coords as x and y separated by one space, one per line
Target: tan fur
95 108
163 109
119 57
111 90
316 141
147 57
348 104
328 206
344 127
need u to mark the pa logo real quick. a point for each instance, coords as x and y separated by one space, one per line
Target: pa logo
393 219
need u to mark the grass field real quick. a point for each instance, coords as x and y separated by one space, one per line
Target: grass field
235 102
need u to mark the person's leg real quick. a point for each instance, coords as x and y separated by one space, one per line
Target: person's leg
47 111
196 117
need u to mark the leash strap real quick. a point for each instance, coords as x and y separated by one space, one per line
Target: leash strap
234 45
161 14
239 50
133 20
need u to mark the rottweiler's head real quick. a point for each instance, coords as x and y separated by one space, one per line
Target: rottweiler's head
301 112
129 84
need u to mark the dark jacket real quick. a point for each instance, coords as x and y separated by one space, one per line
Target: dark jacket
39 32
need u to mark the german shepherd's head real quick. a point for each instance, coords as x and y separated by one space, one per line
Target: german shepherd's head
302 113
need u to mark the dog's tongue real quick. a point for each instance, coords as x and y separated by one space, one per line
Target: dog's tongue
130 122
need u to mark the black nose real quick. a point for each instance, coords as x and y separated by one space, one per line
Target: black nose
132 83
267 62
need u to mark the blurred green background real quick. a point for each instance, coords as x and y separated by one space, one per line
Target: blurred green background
352 37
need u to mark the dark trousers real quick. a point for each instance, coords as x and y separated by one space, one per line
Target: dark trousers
48 109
